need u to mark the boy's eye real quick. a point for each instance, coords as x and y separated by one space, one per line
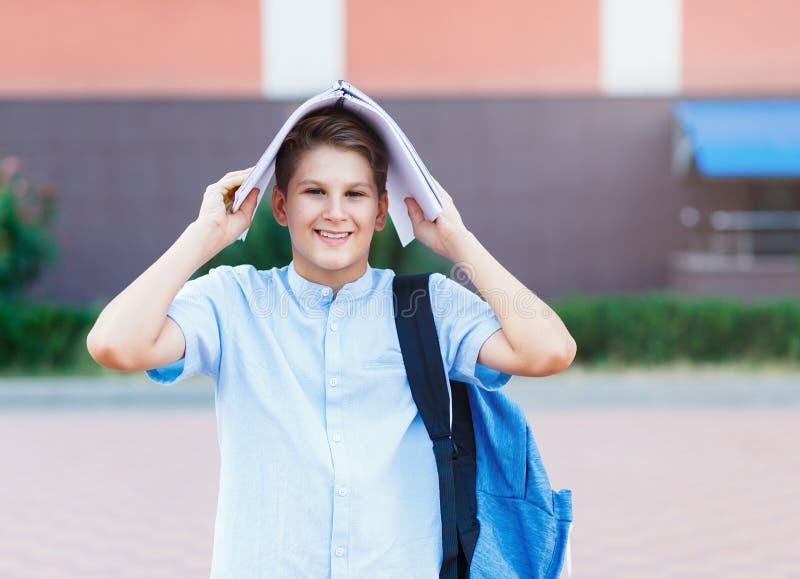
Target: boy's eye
355 193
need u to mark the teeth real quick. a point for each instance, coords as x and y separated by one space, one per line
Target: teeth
333 236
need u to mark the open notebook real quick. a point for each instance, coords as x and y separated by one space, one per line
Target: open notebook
407 175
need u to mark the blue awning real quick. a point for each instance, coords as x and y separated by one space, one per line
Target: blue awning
743 138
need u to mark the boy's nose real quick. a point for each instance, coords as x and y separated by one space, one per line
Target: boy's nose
334 208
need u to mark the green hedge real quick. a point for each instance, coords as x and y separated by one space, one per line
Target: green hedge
658 328
44 338
627 329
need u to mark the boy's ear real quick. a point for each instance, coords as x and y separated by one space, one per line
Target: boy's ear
279 206
383 211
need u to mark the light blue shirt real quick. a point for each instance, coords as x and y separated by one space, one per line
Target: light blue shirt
326 467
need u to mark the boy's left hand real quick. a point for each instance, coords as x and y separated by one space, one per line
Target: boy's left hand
440 234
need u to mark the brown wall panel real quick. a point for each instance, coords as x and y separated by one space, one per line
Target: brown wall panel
571 195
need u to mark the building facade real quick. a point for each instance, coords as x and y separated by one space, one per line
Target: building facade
551 124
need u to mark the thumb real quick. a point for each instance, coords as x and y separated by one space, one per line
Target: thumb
414 210
244 216
249 204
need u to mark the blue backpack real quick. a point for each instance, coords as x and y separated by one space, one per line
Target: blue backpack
500 517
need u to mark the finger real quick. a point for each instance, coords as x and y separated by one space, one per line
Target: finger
235 178
231 180
250 201
442 190
415 212
240 171
246 211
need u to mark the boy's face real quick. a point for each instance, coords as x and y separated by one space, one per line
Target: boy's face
332 190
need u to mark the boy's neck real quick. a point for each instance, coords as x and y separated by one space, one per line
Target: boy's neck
335 279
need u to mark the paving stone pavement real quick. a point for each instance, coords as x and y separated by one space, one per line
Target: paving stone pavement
673 475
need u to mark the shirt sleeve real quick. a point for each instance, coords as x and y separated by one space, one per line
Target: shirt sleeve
464 321
199 309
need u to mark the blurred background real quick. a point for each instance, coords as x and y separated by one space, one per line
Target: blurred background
636 163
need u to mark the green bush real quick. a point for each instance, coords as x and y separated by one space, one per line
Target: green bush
26 214
36 338
616 329
658 328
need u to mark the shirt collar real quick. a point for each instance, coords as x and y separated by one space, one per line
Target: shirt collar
312 293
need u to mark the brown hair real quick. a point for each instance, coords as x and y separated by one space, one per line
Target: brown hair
336 127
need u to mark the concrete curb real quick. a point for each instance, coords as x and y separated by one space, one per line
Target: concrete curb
567 390
86 392
668 389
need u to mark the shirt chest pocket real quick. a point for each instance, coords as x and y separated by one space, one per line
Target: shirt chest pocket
389 359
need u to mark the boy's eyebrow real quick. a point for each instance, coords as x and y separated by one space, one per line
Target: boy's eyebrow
314 182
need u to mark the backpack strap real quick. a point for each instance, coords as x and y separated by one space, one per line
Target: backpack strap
453 447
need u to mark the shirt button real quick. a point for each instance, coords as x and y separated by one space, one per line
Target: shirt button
342 491
334 326
339 551
333 382
326 291
337 436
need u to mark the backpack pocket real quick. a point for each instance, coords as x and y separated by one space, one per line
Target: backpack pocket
500 437
517 539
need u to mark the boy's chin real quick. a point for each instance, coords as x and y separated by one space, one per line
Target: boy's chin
335 263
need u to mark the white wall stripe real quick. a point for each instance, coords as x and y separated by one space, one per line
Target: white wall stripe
640 46
302 46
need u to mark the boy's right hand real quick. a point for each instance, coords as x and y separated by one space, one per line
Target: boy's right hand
223 226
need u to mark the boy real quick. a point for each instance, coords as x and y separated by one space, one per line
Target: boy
326 466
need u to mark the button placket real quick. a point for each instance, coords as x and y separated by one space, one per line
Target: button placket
334 414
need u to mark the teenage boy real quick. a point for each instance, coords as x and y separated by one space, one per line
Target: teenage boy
326 467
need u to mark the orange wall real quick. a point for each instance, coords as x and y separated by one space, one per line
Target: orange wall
472 47
748 46
79 47
417 47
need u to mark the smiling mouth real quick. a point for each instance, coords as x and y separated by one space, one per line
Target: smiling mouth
333 236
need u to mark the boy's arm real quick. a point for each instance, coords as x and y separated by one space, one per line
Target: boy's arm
133 332
532 341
